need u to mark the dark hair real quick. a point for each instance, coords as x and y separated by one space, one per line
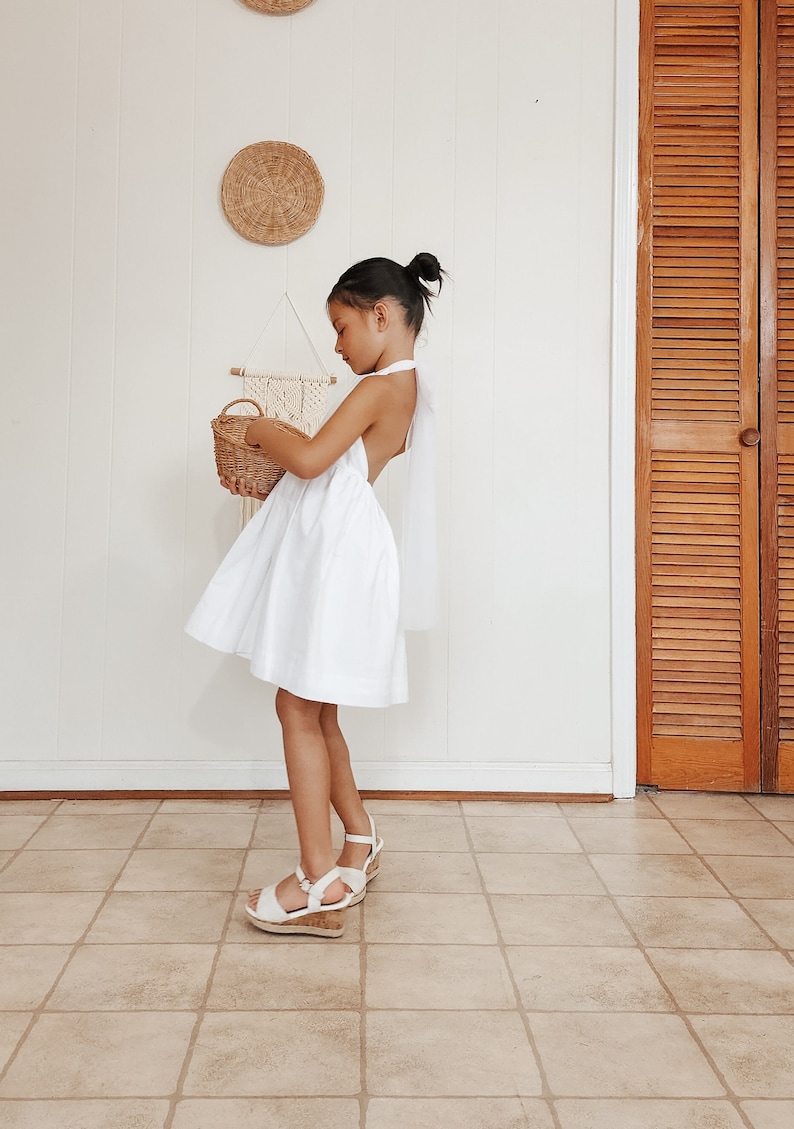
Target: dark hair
372 280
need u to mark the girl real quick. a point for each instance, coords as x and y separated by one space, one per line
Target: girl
310 591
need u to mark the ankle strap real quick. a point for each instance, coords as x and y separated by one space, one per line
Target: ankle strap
315 890
372 839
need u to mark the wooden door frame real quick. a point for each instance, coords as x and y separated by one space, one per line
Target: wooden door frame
623 399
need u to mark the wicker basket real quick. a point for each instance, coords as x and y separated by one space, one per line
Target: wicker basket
235 458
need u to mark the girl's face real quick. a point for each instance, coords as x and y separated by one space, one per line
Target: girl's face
359 336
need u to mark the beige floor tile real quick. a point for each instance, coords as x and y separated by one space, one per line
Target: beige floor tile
519 809
111 807
663 875
629 836
205 830
89 832
434 1054
17 830
753 1052
175 917
210 807
241 930
734 837
267 1113
726 981
438 977
287 976
773 807
12 1028
535 836
100 1055
277 807
97 1114
46 919
615 1056
785 827
770 1114
268 1054
703 805
640 807
754 877
27 972
62 871
627 1113
135 978
538 874
776 915
423 832
443 872
28 807
276 831
564 919
5 856
462 1113
263 867
377 807
177 869
586 979
429 919
697 923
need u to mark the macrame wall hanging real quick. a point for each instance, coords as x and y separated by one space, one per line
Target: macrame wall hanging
300 398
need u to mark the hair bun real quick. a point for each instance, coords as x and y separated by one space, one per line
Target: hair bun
425 266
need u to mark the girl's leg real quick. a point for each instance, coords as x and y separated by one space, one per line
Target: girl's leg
309 774
343 791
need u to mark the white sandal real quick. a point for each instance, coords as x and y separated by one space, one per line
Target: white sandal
316 918
356 878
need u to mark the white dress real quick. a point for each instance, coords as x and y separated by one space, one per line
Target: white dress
310 591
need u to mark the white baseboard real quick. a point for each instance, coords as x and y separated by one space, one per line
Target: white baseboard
184 776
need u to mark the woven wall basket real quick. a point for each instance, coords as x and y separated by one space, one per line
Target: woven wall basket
272 192
277 7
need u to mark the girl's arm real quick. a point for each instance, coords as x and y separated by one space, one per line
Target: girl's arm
309 458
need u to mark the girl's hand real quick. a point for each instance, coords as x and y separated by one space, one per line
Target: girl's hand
243 487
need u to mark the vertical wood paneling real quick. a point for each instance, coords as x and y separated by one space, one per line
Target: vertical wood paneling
152 371
471 511
37 195
91 380
423 219
542 354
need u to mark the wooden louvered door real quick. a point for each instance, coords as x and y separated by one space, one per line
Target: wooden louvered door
697 465
777 392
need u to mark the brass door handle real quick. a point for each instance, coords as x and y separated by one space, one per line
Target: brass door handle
750 437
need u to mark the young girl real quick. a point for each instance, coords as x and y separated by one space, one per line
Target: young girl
310 592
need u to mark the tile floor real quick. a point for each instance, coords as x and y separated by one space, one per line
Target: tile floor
514 966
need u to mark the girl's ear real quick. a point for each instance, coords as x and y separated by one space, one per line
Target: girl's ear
381 312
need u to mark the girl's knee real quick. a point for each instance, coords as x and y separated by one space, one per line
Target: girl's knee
292 710
329 722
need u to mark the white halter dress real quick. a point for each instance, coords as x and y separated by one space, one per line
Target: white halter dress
310 591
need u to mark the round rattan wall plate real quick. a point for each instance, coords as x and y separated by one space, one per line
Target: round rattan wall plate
277 7
272 192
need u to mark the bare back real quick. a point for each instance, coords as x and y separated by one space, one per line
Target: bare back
386 437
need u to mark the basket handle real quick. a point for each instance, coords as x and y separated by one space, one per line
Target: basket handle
242 400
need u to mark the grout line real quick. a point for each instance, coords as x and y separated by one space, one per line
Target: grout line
39 1011
546 1091
202 1009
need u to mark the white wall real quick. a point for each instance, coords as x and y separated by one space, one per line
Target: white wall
482 132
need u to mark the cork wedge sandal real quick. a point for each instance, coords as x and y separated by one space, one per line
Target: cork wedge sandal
317 919
357 879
